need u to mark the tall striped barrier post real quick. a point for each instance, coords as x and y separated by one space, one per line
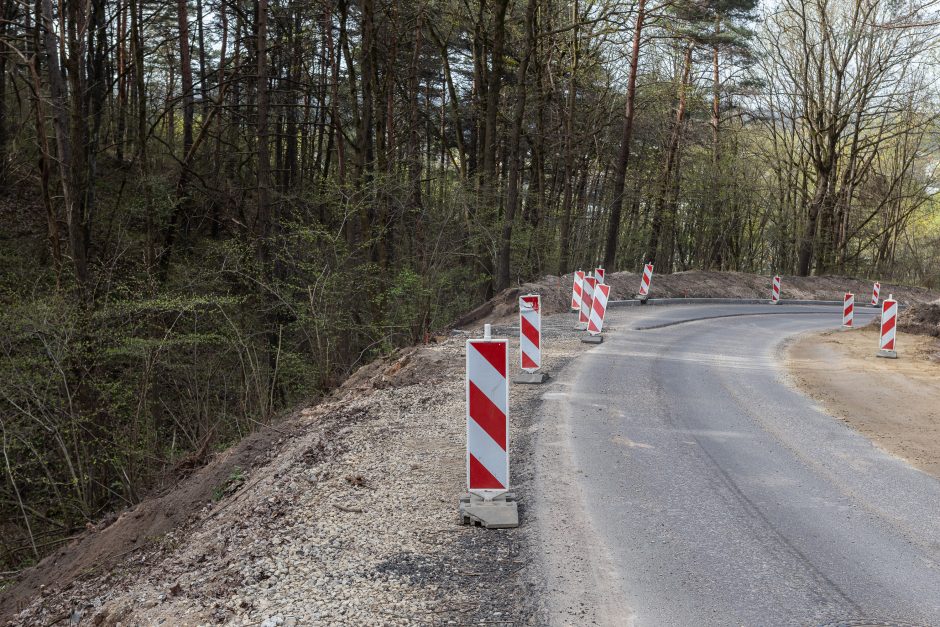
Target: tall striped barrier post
875 291
599 274
488 502
587 300
646 282
775 291
598 309
576 287
530 339
848 311
889 323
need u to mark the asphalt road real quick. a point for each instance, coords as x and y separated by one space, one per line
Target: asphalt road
688 484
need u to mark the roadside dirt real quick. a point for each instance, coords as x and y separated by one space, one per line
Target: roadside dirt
894 402
922 319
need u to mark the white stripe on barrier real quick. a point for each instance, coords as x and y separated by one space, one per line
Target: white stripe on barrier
487 378
489 453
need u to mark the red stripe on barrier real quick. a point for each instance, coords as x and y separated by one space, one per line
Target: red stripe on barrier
888 325
527 362
531 333
494 354
490 418
481 478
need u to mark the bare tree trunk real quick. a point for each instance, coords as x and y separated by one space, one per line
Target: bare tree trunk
60 121
659 217
515 141
623 158
263 218
564 234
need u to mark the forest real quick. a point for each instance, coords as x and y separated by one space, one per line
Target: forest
213 210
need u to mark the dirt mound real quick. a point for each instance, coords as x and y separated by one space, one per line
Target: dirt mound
556 291
100 546
921 319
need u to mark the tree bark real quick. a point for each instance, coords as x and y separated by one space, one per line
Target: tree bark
659 217
623 158
515 141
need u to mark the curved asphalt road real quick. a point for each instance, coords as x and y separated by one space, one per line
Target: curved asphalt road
718 495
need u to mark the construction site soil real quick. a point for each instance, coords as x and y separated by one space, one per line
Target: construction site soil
895 402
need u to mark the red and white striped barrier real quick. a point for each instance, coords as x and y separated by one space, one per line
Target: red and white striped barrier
875 290
775 291
889 322
599 274
598 309
576 290
647 280
848 310
487 417
530 332
587 299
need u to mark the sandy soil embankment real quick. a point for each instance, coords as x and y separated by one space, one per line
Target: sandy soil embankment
895 402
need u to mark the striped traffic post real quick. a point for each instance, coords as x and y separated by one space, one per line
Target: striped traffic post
889 323
599 274
646 281
530 339
875 290
487 398
848 310
598 309
587 300
576 290
775 291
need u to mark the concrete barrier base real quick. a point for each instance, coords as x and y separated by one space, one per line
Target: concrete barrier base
843 328
592 339
501 512
887 354
531 377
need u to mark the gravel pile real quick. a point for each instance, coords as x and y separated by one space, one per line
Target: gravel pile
352 522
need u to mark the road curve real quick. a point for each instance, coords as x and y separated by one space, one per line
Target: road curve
681 481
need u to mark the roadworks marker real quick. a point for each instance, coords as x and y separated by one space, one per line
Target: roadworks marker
598 309
646 282
576 287
775 291
848 311
530 339
599 274
488 501
889 323
587 300
875 290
